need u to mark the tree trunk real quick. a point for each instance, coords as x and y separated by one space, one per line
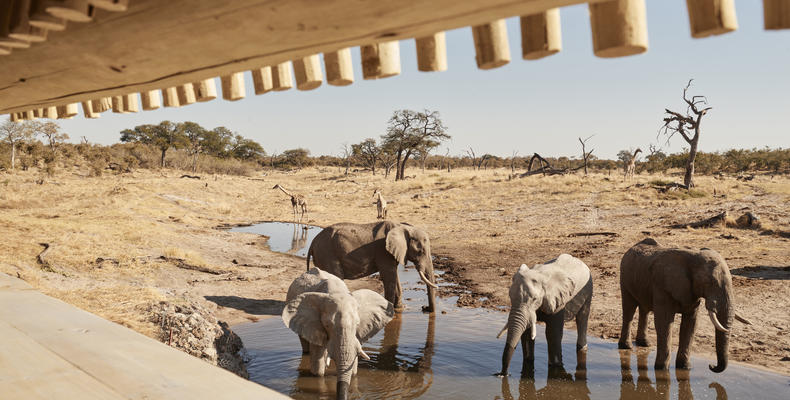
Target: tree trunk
164 150
398 156
194 162
688 179
585 165
403 164
13 155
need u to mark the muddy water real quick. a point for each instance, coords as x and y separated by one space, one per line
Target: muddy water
453 355
284 237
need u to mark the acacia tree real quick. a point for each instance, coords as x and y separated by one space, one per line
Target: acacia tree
245 149
408 131
688 125
51 131
585 154
194 139
164 136
368 152
16 133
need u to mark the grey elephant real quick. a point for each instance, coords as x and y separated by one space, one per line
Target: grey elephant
555 292
667 281
332 323
351 251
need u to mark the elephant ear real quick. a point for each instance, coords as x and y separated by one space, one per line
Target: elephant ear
397 243
303 316
374 313
567 277
577 302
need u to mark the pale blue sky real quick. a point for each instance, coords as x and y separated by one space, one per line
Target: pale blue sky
530 106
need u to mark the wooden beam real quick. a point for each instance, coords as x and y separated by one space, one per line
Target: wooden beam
380 60
307 71
711 17
67 111
432 53
39 17
262 80
101 105
51 112
186 94
205 90
233 86
541 35
170 97
151 100
19 24
776 14
281 76
111 5
175 53
339 69
619 28
117 104
130 103
491 45
71 10
87 110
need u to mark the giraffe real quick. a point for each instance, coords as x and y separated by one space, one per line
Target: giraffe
631 166
297 202
381 204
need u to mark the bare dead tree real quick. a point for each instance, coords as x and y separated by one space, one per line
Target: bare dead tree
447 159
513 162
84 139
346 156
585 154
471 153
688 126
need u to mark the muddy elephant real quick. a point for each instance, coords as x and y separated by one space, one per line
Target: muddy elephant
555 292
668 281
352 251
333 323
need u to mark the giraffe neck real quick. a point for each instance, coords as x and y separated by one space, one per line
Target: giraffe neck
285 191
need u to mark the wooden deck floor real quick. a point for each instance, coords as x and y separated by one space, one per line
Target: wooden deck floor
52 350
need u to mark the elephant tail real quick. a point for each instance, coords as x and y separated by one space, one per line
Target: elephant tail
309 253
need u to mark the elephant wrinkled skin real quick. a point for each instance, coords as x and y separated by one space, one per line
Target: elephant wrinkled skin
555 292
667 281
352 251
333 323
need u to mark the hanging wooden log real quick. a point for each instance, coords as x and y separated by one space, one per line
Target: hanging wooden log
67 112
541 35
14 117
28 115
38 113
101 105
307 71
51 112
39 17
87 109
7 18
19 24
14 43
205 90
432 53
71 10
111 5
117 104
619 28
380 60
491 45
130 103
711 17
233 86
339 69
170 97
776 14
186 94
4 51
262 80
150 100
281 76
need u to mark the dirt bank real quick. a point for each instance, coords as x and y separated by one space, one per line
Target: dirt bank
122 244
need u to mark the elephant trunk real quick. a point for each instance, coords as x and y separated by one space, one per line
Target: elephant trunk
724 314
425 270
345 357
517 322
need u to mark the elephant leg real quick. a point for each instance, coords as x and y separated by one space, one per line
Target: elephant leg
641 329
528 352
392 288
305 345
554 330
629 307
688 324
318 357
581 325
663 316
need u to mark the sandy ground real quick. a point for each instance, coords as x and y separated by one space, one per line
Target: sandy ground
122 243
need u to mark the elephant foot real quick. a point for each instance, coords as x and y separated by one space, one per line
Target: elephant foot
641 342
623 345
399 308
427 309
501 374
682 364
660 366
582 347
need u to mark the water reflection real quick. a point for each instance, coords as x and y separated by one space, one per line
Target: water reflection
643 388
559 383
299 238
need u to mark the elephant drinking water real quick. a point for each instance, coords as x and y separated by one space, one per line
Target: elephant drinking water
352 251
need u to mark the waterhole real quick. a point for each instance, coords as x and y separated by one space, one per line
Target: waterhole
453 353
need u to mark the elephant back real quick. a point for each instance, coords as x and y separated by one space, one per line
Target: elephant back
315 280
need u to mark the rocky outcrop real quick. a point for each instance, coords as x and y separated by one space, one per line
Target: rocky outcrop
192 328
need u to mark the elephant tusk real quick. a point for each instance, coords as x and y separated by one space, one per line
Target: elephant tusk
328 360
425 279
534 332
362 352
742 319
716 322
504 329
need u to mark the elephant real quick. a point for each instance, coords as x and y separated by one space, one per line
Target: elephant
351 251
667 281
333 322
555 292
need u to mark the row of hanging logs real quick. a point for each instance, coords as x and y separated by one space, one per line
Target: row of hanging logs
619 28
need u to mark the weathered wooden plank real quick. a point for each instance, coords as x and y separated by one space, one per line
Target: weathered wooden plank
123 361
263 32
